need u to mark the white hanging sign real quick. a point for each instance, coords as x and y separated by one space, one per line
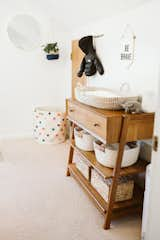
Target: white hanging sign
127 50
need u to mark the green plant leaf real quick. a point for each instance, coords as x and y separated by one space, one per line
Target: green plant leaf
49 47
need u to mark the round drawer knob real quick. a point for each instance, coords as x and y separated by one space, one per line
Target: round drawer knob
71 110
96 125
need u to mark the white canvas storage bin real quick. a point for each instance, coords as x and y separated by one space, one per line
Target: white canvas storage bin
83 139
107 154
82 166
124 189
49 125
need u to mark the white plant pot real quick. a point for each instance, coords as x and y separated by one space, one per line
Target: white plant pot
108 157
53 52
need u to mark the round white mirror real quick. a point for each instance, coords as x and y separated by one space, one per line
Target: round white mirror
24 32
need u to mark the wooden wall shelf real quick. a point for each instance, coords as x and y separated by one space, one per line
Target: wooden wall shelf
111 127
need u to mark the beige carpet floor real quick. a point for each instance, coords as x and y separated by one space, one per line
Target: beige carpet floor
37 201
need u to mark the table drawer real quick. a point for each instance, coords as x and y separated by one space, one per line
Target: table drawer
90 120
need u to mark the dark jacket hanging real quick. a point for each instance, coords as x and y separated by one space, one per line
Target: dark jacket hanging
90 63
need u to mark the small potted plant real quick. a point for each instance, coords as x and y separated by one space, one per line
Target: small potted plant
52 51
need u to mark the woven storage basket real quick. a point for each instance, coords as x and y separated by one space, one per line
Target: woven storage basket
82 166
103 98
108 156
83 139
124 189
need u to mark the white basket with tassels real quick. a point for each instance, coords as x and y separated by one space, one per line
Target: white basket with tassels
83 139
107 154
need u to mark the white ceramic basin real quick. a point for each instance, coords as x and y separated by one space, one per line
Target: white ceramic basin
104 98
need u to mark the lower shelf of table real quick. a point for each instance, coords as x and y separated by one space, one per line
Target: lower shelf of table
120 208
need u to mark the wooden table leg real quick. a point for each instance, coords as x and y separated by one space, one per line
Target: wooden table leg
71 150
116 173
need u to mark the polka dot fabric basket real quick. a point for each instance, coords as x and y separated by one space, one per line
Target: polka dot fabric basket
49 125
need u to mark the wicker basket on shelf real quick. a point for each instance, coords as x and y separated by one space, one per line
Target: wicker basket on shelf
82 166
103 186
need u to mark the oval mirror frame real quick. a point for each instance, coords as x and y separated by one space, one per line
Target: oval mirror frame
24 31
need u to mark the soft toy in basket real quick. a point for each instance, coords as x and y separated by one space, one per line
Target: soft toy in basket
83 139
107 154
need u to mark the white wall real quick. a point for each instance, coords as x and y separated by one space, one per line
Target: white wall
142 76
27 79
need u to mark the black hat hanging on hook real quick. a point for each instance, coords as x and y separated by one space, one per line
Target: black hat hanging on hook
90 63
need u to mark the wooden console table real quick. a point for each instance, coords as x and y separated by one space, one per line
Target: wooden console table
109 127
